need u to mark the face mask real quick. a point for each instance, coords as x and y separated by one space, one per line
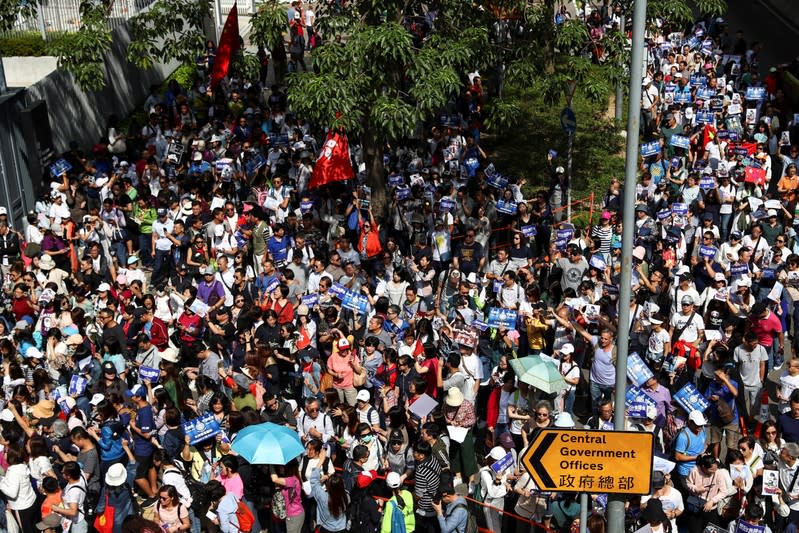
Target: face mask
366 439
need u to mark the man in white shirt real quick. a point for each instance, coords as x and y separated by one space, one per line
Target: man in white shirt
688 323
162 246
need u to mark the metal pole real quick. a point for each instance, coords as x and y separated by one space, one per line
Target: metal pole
616 503
569 178
619 91
583 512
218 17
40 19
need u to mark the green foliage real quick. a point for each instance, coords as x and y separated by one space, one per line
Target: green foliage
247 65
184 75
11 12
171 30
503 115
82 53
518 147
268 24
29 44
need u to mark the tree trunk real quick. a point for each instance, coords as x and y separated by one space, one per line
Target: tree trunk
375 170
548 37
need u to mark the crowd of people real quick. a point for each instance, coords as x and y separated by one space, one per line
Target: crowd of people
205 284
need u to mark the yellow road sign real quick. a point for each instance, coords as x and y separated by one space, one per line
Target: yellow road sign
571 460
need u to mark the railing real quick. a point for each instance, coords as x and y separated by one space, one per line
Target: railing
59 16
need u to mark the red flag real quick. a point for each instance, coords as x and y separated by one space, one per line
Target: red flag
229 43
333 163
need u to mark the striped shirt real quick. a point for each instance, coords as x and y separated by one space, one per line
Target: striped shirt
428 477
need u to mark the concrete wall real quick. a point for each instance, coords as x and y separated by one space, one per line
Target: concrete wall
81 116
25 71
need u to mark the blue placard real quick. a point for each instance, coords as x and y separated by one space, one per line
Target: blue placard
756 93
636 395
529 231
60 167
650 148
705 93
598 263
611 289
680 141
708 252
508 208
499 317
201 428
723 134
503 464
497 180
742 526
734 137
740 150
636 410
310 299
479 324
447 204
637 371
272 285
355 302
395 180
692 42
664 214
705 117
450 121
565 233
338 290
278 139
739 270
690 399
403 193
560 244
149 374
252 164
306 205
77 385
682 97
707 182
679 208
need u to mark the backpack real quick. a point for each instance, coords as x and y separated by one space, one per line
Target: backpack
244 517
381 417
471 522
397 518
199 496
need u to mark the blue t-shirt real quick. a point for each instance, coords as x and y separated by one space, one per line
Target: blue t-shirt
146 424
689 443
279 248
723 392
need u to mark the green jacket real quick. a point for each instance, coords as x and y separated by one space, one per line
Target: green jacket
407 512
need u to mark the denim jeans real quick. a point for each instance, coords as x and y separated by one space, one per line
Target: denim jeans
161 266
598 392
145 249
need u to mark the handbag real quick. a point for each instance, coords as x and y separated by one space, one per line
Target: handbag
326 382
695 504
725 412
104 523
279 504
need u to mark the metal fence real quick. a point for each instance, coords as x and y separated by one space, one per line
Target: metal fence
56 16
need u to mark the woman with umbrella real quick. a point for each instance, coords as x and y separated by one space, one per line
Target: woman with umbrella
331 500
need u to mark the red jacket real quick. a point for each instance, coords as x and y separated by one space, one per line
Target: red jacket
159 334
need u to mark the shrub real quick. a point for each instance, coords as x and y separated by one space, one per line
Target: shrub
28 44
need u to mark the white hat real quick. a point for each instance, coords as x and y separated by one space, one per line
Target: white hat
497 453
33 353
639 252
772 212
170 355
745 281
103 287
96 399
647 81
454 397
197 156
46 263
3 211
651 412
564 420
6 415
719 277
567 348
559 170
697 418
363 396
472 278
682 269
653 320
393 480
116 475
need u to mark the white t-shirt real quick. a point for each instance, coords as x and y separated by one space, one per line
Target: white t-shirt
690 331
75 493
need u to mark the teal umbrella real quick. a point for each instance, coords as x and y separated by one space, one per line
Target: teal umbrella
523 364
544 375
268 444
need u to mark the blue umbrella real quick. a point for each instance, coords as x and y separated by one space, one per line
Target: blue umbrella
268 444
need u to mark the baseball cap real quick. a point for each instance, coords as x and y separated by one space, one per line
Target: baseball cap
344 344
719 277
687 300
363 396
96 399
697 418
393 480
567 348
103 287
162 212
137 390
109 368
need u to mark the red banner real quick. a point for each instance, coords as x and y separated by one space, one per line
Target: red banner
334 162
229 43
